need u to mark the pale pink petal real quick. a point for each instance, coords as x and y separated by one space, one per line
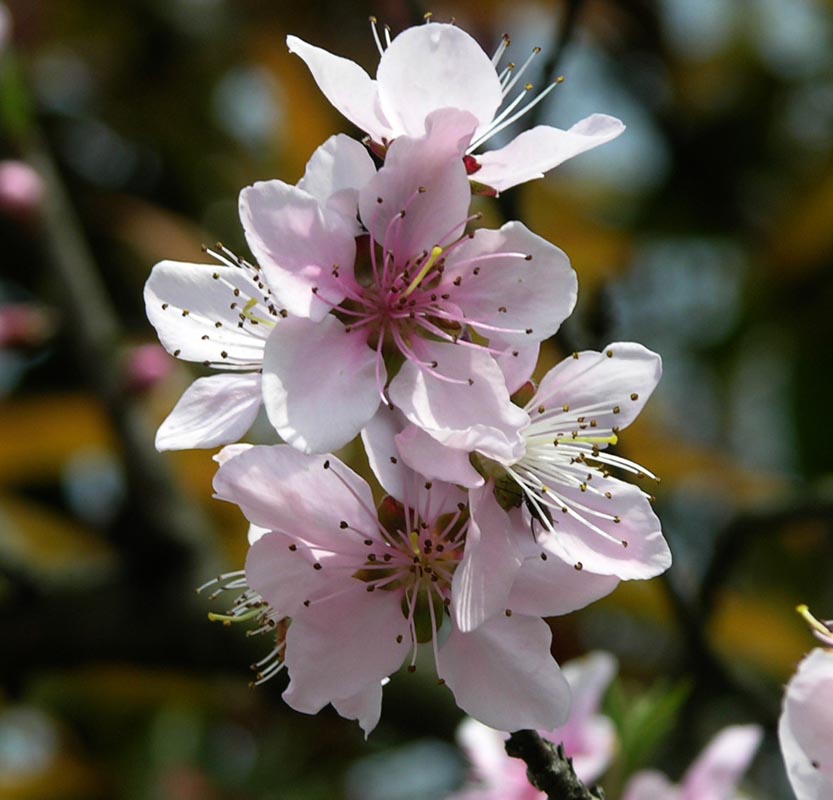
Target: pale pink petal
620 378
230 451
505 297
255 533
215 410
482 581
551 587
195 309
650 785
336 647
281 489
716 773
336 172
517 365
589 678
632 548
534 152
425 455
364 707
435 66
347 86
298 244
319 383
425 178
591 762
282 572
474 413
805 729
503 674
379 439
485 749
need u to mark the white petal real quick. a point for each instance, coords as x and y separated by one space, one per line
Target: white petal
534 152
347 86
805 729
466 416
435 66
517 301
335 173
319 383
298 243
215 410
364 707
185 302
622 376
483 579
503 674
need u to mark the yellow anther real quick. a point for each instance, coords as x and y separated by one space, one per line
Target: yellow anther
815 624
436 252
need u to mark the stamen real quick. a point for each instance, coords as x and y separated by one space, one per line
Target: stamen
505 41
509 86
373 23
436 252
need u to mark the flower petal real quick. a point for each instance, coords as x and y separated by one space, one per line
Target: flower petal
335 648
347 86
649 784
716 773
283 490
517 365
620 379
482 581
425 178
298 243
534 152
514 287
435 66
197 315
473 413
365 707
805 729
319 383
631 549
424 454
214 410
516 684
335 173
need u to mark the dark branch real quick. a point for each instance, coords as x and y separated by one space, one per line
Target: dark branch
548 767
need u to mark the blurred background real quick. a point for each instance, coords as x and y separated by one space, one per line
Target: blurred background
705 232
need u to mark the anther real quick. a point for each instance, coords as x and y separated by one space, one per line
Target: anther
634 396
578 565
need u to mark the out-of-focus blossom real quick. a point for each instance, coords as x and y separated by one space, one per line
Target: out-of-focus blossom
24 326
5 27
805 729
560 473
715 774
437 66
405 324
220 315
21 188
353 592
145 367
588 738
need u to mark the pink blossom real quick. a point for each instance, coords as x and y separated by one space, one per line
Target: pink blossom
437 66
353 592
21 188
416 308
578 510
713 776
588 738
805 729
221 315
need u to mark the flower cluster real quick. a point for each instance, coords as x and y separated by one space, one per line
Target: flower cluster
376 306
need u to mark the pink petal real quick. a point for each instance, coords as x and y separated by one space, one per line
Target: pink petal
551 587
598 543
517 365
364 707
283 490
716 773
425 455
319 383
298 243
435 66
468 416
534 152
347 86
424 177
805 729
336 172
185 303
483 579
215 410
516 683
378 437
650 785
335 648
516 301
592 761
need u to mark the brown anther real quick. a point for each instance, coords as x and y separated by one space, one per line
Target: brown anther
634 396
578 565
343 524
316 566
